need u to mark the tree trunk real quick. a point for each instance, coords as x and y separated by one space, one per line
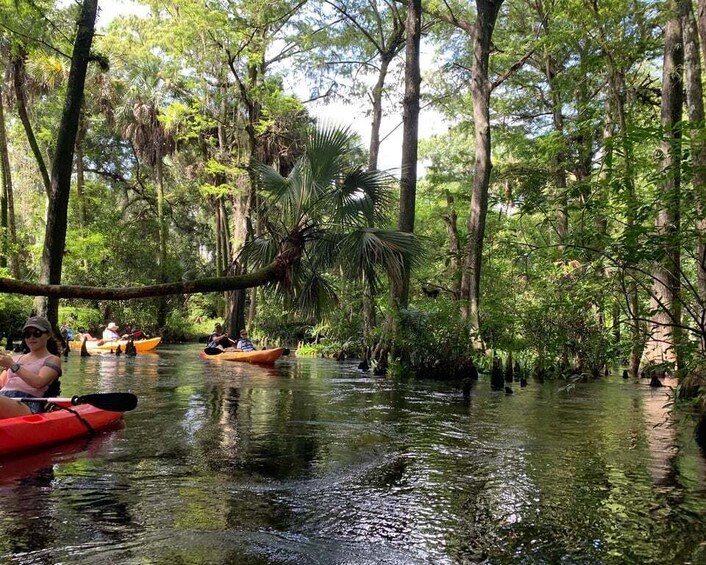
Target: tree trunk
629 275
410 134
19 82
55 236
162 227
8 206
699 182
374 147
487 13
80 178
244 205
664 337
559 158
451 220
276 271
632 300
369 304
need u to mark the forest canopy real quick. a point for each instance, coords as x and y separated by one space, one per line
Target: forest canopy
558 222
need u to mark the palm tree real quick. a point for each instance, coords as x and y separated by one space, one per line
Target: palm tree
326 210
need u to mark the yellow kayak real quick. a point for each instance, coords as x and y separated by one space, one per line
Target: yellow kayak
260 356
141 345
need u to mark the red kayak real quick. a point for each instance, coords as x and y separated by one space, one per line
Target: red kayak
259 356
47 428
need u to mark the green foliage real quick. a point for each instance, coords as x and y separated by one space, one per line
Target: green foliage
432 343
213 83
181 328
81 319
14 310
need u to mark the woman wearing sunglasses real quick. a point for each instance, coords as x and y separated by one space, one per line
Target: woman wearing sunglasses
31 373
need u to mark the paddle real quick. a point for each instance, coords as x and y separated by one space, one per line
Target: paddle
113 401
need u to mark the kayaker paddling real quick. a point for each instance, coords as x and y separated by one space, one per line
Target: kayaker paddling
219 341
30 374
111 333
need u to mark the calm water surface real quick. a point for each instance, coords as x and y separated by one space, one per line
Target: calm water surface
312 462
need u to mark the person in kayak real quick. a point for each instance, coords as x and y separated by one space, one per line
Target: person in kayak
110 333
244 344
219 341
30 374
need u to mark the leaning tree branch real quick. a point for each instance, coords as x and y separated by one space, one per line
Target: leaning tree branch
269 274
279 271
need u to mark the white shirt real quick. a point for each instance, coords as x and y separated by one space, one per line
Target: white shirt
110 334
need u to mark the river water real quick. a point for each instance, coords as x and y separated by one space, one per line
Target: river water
314 462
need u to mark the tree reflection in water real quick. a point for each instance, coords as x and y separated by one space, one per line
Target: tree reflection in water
313 461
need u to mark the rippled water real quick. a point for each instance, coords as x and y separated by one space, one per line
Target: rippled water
313 462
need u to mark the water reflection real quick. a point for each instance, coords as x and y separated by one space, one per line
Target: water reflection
29 485
314 462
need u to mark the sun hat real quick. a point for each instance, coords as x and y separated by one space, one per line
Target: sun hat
38 322
112 326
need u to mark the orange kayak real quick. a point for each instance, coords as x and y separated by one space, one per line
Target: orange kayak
260 356
141 345
47 428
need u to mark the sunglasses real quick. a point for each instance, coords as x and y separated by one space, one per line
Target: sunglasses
33 333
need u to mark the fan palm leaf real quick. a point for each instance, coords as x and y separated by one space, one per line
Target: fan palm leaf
333 206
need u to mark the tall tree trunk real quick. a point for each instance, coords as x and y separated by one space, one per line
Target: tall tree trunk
219 221
559 158
451 220
369 304
162 227
374 147
20 95
57 214
8 206
4 236
487 13
221 217
664 337
699 182
410 134
244 205
632 300
629 275
80 177
637 332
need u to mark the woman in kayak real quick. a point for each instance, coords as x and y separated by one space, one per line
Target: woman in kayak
31 373
244 344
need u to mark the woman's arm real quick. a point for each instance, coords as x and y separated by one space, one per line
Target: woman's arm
44 377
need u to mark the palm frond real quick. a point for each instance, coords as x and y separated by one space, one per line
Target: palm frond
259 252
323 250
318 295
361 198
364 250
309 291
327 148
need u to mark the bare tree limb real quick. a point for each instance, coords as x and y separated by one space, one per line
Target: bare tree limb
260 277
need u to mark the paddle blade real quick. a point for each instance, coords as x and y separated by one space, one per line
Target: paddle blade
113 401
